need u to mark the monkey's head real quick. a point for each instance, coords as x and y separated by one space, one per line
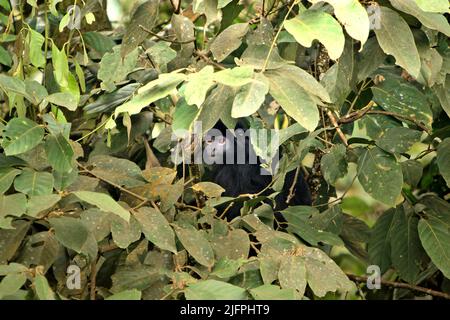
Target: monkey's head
225 146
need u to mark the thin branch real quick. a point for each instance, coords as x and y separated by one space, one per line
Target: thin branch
93 279
208 60
115 185
164 39
367 110
334 122
292 188
403 286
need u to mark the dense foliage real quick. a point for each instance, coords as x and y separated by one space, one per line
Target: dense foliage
359 92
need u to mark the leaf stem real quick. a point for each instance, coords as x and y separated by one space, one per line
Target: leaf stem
272 45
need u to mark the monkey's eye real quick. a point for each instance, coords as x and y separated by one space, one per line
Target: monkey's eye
221 139
208 140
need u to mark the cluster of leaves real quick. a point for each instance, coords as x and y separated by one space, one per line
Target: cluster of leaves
87 121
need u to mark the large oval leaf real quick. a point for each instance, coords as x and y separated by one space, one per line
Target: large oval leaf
21 135
311 24
380 175
156 228
395 38
104 202
294 99
196 244
34 183
353 16
214 290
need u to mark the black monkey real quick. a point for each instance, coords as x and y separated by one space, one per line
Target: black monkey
239 170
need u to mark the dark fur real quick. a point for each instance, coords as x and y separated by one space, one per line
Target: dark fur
246 178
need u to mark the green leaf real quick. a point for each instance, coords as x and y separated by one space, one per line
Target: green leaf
36 92
152 91
306 81
214 290
380 175
11 283
61 66
10 240
34 183
37 58
406 250
292 274
250 97
41 249
12 85
104 202
217 106
353 16
430 20
59 152
376 125
195 242
132 294
255 56
13 205
7 176
412 172
398 96
5 57
334 164
443 159
228 40
125 233
436 241
161 54
21 135
12 268
380 241
37 204
99 42
433 5
156 228
272 292
146 15
434 232
64 99
311 24
210 189
114 68
198 85
73 234
226 268
42 288
108 101
299 222
183 116
339 80
294 100
120 171
395 38
235 77
323 274
398 140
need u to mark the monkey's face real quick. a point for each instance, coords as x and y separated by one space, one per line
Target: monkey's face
217 146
